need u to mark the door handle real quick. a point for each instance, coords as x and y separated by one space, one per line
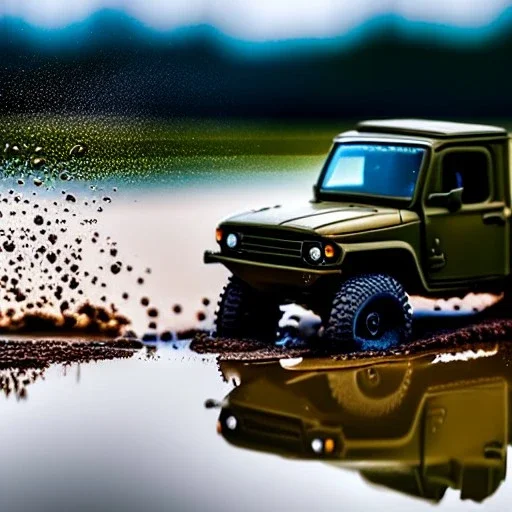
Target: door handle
498 218
437 261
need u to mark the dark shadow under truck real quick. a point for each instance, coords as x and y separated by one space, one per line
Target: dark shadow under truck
400 207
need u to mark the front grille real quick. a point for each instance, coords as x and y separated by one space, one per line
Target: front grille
272 430
275 246
271 424
267 245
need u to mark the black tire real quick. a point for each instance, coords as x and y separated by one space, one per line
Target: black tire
370 312
246 313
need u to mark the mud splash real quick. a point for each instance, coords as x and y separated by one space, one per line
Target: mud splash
58 270
56 264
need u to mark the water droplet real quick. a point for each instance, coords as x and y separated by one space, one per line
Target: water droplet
79 150
37 161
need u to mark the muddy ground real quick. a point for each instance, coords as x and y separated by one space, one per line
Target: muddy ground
135 270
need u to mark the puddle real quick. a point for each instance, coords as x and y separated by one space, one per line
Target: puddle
415 425
405 432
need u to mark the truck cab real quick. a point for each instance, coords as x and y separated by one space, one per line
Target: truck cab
400 207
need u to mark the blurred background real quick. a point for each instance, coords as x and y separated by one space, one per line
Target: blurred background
323 59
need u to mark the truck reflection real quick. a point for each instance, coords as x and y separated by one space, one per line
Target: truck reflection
418 425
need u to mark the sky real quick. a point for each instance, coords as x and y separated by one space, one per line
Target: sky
261 20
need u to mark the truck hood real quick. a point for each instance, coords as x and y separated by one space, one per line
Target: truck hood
325 218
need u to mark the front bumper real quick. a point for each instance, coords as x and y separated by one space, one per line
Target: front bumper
268 275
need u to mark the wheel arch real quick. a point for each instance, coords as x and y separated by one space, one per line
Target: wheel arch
399 261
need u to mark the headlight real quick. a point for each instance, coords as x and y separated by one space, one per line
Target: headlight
315 254
317 445
231 422
231 240
319 252
325 446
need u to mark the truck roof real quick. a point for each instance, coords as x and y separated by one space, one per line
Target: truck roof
427 128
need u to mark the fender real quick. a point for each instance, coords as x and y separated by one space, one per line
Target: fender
397 258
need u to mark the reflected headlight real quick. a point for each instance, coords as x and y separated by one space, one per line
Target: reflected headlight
231 422
317 445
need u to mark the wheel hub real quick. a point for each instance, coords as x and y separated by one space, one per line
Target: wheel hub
373 323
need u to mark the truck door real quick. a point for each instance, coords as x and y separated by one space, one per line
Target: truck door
465 437
471 242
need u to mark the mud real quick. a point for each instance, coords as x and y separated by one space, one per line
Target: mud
24 362
86 319
55 258
40 354
443 335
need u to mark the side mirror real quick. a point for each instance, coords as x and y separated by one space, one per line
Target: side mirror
315 194
451 200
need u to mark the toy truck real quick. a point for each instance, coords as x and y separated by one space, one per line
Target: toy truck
406 424
401 207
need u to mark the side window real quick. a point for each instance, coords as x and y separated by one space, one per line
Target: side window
469 170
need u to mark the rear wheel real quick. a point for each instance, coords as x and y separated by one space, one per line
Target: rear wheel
370 312
246 313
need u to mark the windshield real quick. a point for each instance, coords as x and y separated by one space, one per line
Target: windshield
373 169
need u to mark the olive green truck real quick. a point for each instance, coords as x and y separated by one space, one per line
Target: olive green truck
401 207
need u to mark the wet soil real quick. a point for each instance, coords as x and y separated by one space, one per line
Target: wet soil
86 319
431 333
24 361
41 353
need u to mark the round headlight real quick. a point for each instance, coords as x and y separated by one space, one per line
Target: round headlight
317 445
231 240
315 254
231 422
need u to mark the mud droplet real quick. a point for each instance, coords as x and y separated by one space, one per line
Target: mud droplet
153 312
9 246
166 336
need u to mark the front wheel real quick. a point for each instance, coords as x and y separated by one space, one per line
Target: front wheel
246 313
370 312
